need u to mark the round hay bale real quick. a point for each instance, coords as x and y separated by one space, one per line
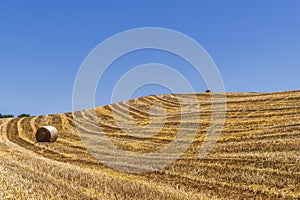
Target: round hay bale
46 134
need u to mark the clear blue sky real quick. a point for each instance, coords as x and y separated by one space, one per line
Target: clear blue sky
255 44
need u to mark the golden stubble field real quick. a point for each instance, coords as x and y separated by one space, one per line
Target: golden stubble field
257 155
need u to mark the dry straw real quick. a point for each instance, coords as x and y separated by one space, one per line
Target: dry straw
46 134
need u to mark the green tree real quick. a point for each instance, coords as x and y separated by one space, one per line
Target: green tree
24 115
6 116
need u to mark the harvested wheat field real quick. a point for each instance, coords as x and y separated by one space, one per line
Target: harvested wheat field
257 155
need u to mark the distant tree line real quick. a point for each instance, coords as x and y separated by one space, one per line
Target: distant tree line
10 116
6 116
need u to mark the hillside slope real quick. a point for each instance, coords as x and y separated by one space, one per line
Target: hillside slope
256 156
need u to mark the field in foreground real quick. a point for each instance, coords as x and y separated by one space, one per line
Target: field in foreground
256 156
